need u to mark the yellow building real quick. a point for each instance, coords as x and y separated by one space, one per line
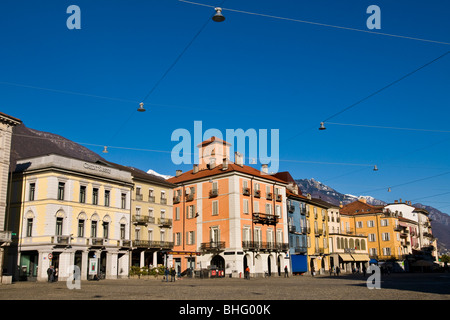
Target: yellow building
151 219
317 235
69 212
381 226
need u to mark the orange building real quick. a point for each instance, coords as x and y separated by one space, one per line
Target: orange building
228 216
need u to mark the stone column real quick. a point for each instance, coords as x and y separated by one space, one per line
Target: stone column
84 265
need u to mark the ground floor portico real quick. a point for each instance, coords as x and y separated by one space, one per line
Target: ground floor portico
232 263
33 263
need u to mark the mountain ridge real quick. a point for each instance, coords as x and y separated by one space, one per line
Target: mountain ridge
440 221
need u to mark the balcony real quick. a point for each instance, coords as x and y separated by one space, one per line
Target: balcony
246 191
292 229
189 197
213 193
269 196
263 218
5 236
264 246
176 199
213 246
163 201
291 208
279 198
151 199
139 197
138 219
300 249
318 232
97 242
150 244
164 222
257 194
319 250
61 240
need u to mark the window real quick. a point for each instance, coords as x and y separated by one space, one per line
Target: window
245 206
384 222
61 186
94 229
177 213
256 206
105 230
190 211
107 198
268 208
278 211
246 234
370 224
191 237
95 196
372 237
359 224
138 211
178 239
385 236
137 234
82 194
373 251
32 191
123 200
59 226
80 228
29 227
122 231
150 235
387 251
215 208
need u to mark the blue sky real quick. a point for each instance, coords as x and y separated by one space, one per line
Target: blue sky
249 71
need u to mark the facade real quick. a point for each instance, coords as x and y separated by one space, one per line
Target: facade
317 235
228 216
378 224
298 248
151 219
68 212
6 124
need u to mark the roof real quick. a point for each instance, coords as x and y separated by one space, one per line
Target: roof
211 140
232 167
142 175
10 118
360 207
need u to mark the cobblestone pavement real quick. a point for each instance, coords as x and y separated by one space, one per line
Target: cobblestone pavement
346 287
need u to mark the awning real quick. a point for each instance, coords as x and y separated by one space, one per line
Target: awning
403 224
361 257
345 257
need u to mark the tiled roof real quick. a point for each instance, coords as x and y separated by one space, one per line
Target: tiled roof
360 207
232 167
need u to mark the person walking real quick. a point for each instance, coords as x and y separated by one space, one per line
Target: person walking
166 274
172 274
313 271
286 275
338 270
247 273
50 274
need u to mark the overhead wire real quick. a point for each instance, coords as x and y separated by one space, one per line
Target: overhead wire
321 24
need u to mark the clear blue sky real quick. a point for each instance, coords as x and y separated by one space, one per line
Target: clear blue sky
247 72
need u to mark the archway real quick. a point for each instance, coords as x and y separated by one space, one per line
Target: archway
219 263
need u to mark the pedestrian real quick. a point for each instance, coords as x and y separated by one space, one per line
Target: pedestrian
50 274
247 273
172 274
313 271
56 275
364 270
331 271
286 275
166 274
338 270
179 271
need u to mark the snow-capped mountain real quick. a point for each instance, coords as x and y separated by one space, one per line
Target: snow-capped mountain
328 194
153 172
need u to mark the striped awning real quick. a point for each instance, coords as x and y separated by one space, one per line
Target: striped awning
361 257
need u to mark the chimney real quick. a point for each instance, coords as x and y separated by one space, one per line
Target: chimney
195 170
400 200
264 169
212 163
238 159
308 196
395 201
341 204
225 164
178 173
